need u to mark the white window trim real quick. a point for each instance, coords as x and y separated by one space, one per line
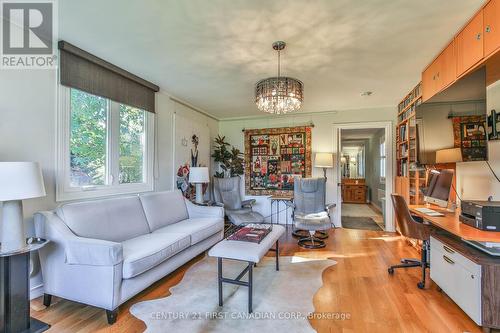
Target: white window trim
382 141
64 191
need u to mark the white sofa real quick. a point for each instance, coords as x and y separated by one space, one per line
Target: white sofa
104 252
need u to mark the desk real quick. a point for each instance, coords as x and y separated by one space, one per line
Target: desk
450 222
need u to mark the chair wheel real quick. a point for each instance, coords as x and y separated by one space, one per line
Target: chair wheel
390 270
421 285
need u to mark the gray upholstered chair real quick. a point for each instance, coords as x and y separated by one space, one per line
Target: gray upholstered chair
227 193
310 212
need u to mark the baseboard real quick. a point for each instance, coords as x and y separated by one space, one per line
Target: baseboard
36 291
375 208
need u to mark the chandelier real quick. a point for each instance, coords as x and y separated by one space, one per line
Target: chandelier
279 94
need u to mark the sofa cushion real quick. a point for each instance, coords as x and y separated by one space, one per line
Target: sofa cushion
147 251
198 228
115 219
164 208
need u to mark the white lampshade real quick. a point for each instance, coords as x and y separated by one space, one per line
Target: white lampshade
323 160
20 180
451 155
198 175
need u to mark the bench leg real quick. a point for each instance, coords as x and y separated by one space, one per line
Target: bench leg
250 282
219 270
277 255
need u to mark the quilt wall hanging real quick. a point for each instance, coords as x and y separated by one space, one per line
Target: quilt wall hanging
273 156
470 136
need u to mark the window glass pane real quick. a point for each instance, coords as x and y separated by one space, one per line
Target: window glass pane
88 139
132 143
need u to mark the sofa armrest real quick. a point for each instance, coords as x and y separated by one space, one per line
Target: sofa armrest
78 250
94 252
203 211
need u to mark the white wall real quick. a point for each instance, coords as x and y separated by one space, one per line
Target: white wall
27 133
474 179
322 136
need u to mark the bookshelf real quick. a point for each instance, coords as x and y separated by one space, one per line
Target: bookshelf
409 179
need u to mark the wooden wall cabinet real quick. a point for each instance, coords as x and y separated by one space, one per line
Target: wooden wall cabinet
440 73
469 44
491 18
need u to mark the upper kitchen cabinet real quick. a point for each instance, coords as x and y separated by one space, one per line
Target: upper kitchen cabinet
469 44
491 18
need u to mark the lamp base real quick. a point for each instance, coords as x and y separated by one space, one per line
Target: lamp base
13 237
199 193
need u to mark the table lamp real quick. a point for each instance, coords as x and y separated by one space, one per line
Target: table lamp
323 160
18 181
199 176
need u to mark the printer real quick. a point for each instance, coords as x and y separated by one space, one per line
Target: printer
484 215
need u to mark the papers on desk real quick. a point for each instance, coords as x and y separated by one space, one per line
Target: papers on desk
429 212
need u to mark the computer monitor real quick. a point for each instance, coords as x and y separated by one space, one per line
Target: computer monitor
439 188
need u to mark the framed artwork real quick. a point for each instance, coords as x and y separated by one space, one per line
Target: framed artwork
470 136
274 156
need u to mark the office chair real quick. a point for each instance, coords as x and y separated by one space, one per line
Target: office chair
411 228
310 213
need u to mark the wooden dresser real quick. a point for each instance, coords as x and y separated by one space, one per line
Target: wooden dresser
353 190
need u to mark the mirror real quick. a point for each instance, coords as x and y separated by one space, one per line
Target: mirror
352 161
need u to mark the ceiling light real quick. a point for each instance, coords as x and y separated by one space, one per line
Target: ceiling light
279 94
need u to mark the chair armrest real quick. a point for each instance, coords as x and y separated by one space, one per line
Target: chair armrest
248 203
330 206
203 211
93 252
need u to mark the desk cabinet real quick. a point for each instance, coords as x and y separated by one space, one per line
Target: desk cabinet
469 277
458 277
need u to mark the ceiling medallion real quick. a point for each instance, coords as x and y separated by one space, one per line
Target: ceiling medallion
279 94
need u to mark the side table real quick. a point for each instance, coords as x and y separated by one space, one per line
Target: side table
276 200
14 290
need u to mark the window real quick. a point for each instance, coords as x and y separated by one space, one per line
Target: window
382 159
104 147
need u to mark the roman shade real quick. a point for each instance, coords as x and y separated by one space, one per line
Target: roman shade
84 71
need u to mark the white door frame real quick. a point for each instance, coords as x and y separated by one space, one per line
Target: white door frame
389 162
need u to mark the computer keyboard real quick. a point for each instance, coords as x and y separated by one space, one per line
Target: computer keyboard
429 212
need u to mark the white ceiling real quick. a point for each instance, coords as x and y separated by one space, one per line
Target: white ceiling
211 53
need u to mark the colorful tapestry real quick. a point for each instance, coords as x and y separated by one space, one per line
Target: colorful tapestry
470 135
273 156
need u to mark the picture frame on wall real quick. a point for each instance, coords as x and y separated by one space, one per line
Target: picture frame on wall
274 157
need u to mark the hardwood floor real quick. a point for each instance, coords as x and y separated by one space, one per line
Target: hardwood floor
358 287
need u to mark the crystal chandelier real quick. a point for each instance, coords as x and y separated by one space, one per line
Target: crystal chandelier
280 94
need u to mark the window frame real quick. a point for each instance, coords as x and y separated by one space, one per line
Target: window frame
383 159
64 191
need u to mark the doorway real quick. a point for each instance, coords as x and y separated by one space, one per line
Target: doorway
364 175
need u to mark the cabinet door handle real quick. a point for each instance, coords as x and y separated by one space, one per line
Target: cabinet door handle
447 249
478 36
448 260
488 28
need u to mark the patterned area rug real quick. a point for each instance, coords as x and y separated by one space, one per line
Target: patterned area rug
364 223
281 300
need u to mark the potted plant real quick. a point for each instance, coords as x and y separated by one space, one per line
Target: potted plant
230 159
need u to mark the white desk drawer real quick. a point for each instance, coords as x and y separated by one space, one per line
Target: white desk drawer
460 283
450 253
